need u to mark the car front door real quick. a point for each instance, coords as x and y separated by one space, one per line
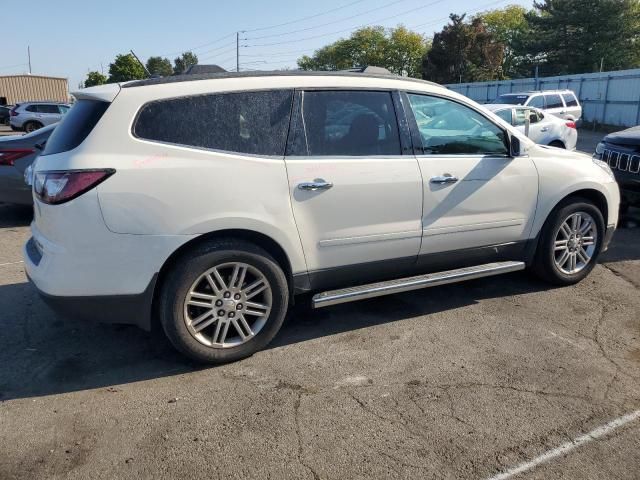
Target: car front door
475 194
49 114
356 198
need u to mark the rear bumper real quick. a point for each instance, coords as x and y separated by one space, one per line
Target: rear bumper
120 309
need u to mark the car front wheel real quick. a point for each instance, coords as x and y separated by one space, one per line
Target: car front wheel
570 243
224 301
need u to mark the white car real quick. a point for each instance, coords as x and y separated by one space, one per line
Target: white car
205 204
542 129
561 103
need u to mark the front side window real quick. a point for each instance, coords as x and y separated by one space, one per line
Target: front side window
536 102
447 127
505 115
243 122
347 123
570 99
554 101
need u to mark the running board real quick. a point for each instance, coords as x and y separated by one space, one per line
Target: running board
351 294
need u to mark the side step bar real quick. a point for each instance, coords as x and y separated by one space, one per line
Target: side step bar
351 294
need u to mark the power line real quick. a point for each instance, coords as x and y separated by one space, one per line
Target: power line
328 23
201 46
346 29
433 22
305 18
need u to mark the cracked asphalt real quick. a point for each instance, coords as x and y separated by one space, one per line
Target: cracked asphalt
459 381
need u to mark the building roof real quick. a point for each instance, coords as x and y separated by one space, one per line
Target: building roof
32 76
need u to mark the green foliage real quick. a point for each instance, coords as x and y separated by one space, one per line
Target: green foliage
125 68
464 52
183 62
399 50
94 78
572 36
159 66
510 27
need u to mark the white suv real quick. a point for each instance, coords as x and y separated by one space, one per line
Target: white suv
561 103
204 204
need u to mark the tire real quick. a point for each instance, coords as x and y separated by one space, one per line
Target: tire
547 259
557 143
32 126
198 335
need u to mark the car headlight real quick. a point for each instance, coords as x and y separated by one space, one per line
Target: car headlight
600 148
604 166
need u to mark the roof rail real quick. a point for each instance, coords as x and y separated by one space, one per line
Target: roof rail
371 69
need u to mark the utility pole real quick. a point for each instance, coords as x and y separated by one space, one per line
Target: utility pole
237 51
29 56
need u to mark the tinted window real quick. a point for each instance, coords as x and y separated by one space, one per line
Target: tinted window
505 115
48 109
63 109
244 122
554 101
511 99
32 108
75 126
537 101
447 127
346 123
570 99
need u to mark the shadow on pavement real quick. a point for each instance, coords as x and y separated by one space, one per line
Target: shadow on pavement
15 215
41 354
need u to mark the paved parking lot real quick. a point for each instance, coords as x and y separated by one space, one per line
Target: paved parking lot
462 381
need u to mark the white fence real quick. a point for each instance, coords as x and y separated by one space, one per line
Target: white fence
612 98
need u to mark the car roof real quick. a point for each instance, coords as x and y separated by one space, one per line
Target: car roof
531 92
282 73
42 102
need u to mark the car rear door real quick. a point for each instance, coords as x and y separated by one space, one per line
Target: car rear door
555 105
573 108
475 194
355 186
49 113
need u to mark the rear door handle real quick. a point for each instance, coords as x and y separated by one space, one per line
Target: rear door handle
544 129
317 184
444 179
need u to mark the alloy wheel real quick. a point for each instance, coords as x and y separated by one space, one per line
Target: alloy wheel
228 305
575 243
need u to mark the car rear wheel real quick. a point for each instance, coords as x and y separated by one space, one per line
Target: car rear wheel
32 126
224 301
570 243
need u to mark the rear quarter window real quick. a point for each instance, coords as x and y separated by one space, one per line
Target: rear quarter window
554 101
75 126
570 99
243 122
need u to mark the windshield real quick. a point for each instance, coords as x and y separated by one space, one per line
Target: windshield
512 99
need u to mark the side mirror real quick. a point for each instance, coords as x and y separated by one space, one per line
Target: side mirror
515 146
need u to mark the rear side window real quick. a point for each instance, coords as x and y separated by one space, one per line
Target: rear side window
243 122
537 102
48 109
32 108
570 99
346 123
75 126
554 101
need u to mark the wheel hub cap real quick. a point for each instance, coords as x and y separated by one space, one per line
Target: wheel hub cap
575 243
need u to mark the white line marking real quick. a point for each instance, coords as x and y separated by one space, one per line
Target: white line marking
11 263
568 446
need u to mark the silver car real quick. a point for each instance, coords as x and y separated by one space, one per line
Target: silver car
30 116
561 103
17 153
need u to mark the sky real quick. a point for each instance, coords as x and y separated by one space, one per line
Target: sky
67 38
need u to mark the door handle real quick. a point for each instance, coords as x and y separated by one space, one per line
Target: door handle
444 179
544 129
317 184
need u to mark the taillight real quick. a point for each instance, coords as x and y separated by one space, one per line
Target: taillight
9 156
55 187
13 113
571 124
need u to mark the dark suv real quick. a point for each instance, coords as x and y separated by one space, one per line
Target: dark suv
621 150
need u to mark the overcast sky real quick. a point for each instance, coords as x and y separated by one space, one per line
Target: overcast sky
70 37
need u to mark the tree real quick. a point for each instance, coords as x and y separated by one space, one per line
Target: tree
463 52
183 62
94 78
159 66
124 68
399 50
510 27
574 36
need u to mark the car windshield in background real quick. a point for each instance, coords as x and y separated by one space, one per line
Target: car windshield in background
512 99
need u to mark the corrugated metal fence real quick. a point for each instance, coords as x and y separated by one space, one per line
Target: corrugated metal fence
611 98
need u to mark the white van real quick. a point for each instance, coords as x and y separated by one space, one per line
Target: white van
561 103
